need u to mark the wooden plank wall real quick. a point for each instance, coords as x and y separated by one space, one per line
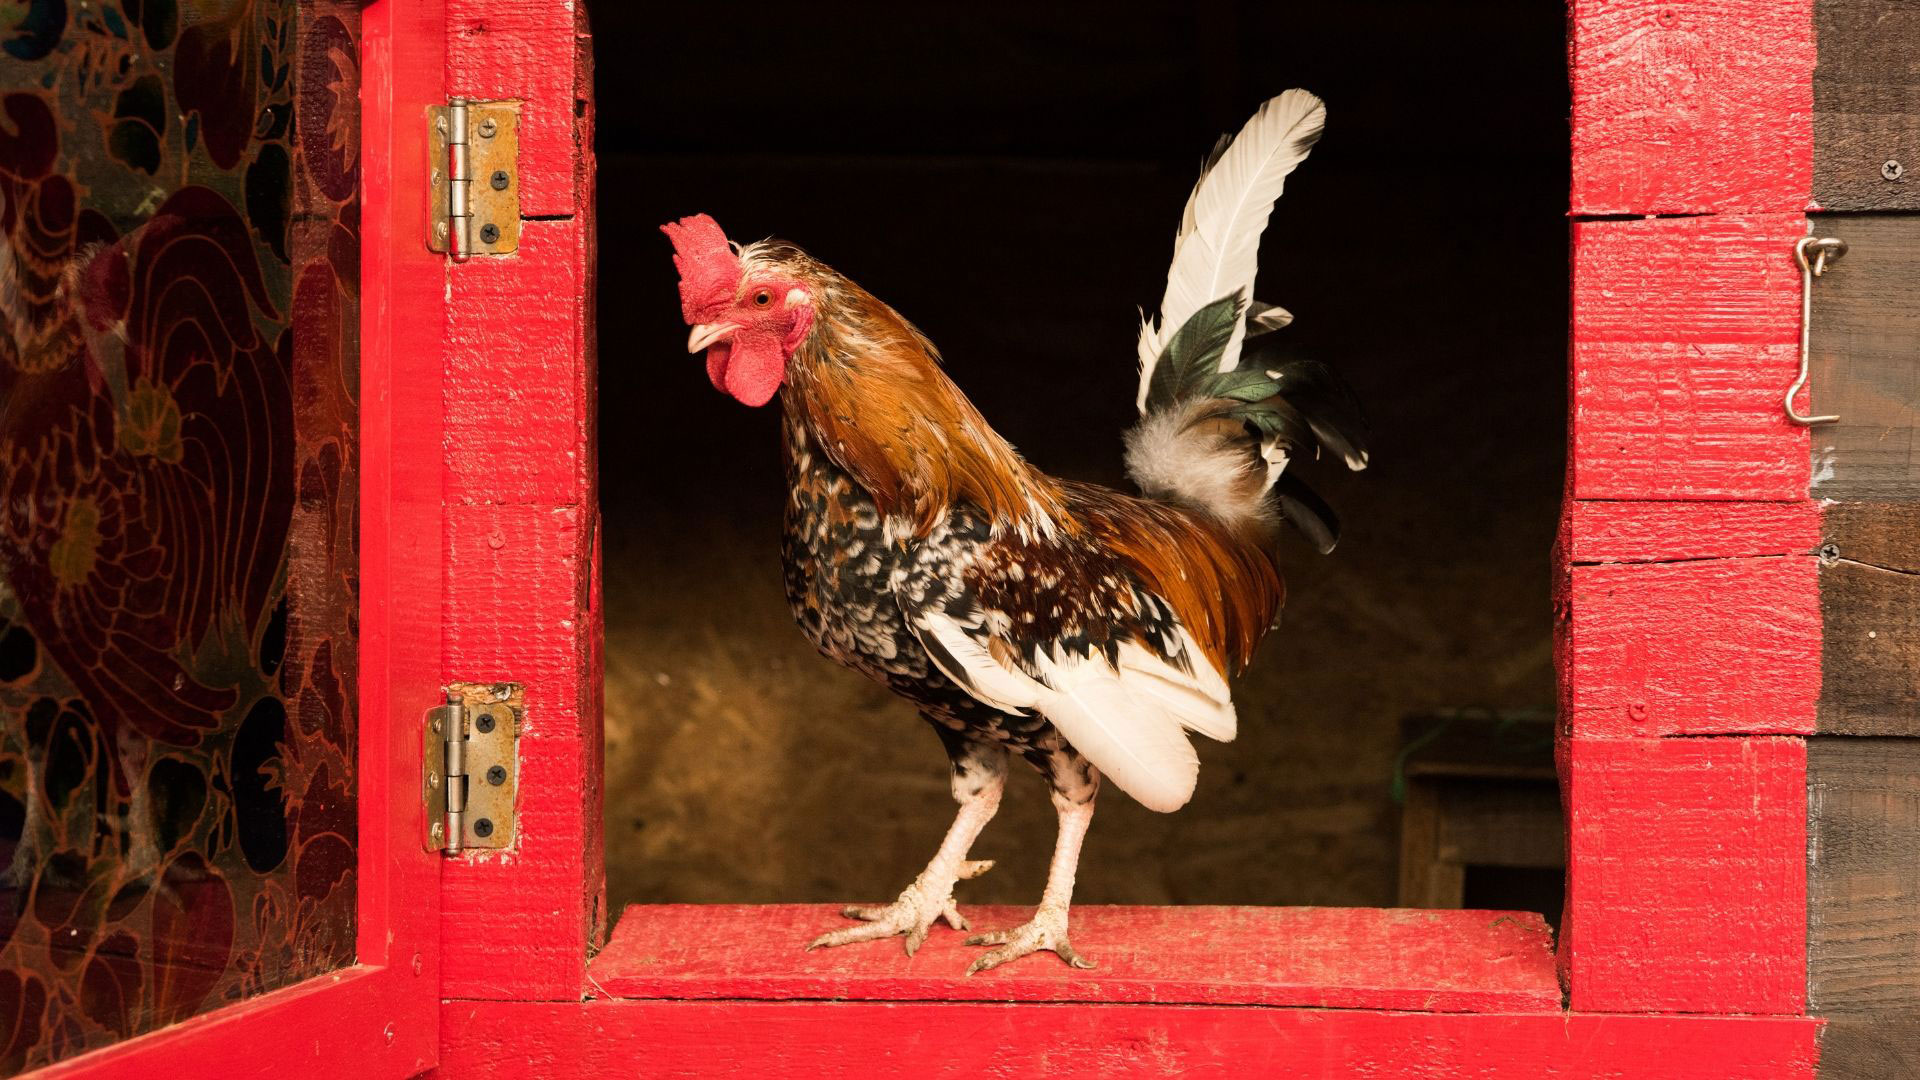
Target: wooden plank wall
1863 780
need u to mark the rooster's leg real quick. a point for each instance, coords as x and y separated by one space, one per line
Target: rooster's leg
979 774
1048 927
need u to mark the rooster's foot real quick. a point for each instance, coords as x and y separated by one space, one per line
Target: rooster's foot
913 914
1047 931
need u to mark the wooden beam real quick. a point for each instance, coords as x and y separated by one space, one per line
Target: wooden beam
671 1040
1863 904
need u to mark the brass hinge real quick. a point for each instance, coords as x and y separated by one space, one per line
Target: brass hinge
474 170
471 769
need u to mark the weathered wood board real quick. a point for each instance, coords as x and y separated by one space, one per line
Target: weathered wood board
1870 614
1866 105
1865 359
1863 904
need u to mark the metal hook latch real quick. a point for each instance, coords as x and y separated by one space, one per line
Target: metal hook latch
1825 249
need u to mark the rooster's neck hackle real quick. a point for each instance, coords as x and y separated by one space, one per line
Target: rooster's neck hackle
868 389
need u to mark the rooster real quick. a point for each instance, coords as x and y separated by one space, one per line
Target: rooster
1085 629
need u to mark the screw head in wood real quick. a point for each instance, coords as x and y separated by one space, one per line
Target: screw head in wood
1830 553
483 828
497 775
1892 170
489 234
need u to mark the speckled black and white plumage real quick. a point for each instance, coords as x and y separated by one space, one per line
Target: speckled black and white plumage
850 586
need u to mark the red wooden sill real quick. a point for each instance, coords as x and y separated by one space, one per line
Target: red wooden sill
1349 958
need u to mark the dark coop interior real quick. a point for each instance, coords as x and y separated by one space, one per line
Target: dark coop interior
1009 177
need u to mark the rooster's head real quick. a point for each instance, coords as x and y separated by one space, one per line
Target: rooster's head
750 315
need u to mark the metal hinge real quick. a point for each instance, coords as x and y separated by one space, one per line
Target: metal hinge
470 769
474 149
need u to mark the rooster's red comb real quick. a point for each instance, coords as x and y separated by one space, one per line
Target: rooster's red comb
709 270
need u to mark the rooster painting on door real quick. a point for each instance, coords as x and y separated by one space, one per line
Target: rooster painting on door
277 477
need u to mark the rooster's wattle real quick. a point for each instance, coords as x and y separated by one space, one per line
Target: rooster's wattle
1085 629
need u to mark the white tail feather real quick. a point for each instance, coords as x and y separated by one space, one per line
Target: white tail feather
1129 720
1216 252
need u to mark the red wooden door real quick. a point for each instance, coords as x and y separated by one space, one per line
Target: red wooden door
219 440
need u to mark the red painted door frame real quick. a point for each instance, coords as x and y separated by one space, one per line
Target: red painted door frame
1684 554
379 1019
1683 548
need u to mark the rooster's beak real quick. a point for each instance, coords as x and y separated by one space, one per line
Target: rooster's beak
706 334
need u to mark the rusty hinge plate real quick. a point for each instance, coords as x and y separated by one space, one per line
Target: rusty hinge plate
492 164
469 789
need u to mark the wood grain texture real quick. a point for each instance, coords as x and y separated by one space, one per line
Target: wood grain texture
518 394
1685 337
1625 532
1864 90
521 540
1691 108
525 51
1866 328
1714 646
671 1040
1870 613
517 582
1354 958
1686 883
1863 904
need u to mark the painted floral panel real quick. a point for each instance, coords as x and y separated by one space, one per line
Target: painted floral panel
179 272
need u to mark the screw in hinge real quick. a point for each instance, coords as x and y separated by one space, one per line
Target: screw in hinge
436 725
1892 170
497 775
484 722
487 128
440 124
483 828
489 234
438 832
433 779
499 180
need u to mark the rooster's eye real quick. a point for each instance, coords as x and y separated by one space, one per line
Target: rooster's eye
762 298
